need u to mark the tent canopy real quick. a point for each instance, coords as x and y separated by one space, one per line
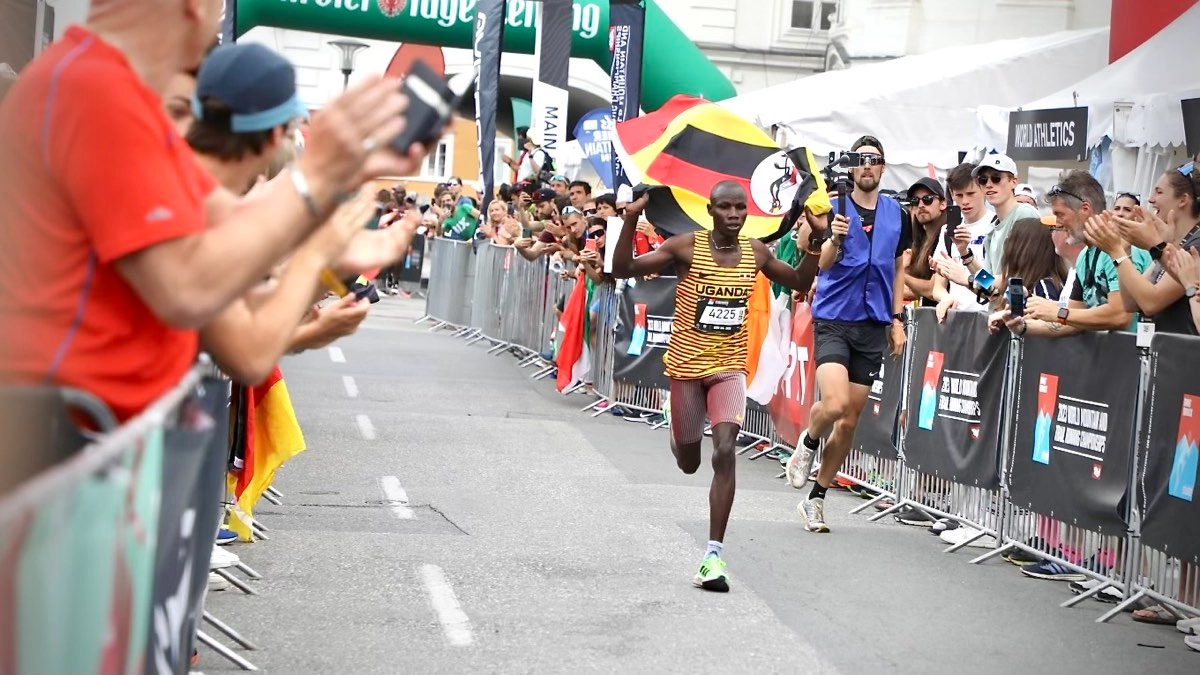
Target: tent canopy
923 107
1150 80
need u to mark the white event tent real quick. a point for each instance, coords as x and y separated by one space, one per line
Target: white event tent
922 107
1133 103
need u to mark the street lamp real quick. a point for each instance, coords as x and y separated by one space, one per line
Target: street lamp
349 50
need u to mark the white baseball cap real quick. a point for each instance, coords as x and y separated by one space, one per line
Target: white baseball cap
996 162
1025 189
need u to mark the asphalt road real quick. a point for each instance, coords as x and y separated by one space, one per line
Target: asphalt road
452 516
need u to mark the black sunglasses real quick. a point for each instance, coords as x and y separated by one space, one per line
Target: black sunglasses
1057 191
927 200
870 159
589 212
593 234
994 178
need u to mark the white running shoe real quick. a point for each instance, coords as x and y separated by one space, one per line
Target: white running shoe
216 582
221 559
1188 625
813 513
799 465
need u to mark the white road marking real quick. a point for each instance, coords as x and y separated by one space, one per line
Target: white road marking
365 427
351 386
397 498
450 614
336 355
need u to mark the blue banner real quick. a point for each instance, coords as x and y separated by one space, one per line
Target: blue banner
594 131
626 21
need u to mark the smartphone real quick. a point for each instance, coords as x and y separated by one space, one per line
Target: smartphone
1016 296
984 279
512 209
590 245
431 102
953 218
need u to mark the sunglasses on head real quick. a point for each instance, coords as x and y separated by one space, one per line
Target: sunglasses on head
1057 191
927 200
994 178
1129 195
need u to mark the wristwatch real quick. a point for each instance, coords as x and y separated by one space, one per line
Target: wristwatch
898 316
1156 252
1190 292
1062 315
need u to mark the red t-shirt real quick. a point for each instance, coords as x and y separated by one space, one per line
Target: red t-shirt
95 172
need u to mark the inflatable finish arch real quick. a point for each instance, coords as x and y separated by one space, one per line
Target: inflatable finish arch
671 64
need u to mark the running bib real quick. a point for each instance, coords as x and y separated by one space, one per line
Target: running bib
719 315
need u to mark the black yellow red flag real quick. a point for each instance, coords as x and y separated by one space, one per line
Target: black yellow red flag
684 148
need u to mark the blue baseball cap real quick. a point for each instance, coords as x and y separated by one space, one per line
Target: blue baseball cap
256 84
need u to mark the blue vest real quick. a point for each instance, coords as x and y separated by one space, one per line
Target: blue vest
859 286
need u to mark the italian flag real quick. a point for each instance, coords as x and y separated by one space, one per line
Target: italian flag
272 437
574 360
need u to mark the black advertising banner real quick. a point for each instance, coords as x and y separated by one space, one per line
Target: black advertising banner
550 85
411 270
1191 125
1059 133
1167 487
876 430
486 46
1073 428
195 450
647 309
626 33
956 386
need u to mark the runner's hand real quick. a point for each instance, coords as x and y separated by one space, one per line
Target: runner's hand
638 205
897 338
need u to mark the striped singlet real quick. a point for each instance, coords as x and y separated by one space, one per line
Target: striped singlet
708 334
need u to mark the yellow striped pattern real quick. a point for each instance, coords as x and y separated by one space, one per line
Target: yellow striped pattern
694 353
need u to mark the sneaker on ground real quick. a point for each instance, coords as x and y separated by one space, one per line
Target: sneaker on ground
1052 571
712 576
1191 625
1192 642
226 537
639 416
1111 594
1020 557
961 534
799 465
216 582
813 513
914 517
943 525
655 419
221 559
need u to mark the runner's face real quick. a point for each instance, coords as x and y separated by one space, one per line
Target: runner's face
728 210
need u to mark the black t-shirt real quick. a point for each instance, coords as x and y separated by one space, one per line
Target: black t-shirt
1177 317
868 223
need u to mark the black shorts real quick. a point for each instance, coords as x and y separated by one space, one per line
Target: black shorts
859 346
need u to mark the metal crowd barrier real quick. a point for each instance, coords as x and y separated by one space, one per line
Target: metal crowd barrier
451 283
1115 558
491 280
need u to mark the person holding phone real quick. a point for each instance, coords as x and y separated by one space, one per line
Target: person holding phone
857 318
960 252
706 358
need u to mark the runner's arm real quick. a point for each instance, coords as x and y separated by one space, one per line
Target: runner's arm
625 266
799 278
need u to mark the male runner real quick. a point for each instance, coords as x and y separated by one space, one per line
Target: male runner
857 312
706 357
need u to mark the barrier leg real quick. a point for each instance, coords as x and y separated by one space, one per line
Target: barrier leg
891 509
423 319
272 498
248 571
238 583
225 652
764 452
272 490
859 509
1121 607
1088 594
228 632
993 553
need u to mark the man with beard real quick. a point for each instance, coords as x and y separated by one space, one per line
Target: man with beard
857 312
928 200
706 357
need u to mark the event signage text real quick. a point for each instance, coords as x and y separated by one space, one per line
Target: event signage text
1059 133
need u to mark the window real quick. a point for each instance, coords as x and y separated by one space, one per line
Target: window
814 14
437 163
500 171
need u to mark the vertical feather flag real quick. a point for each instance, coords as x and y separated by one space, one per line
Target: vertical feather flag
272 437
689 145
574 362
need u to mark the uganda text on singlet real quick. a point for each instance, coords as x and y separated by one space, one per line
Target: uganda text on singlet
708 334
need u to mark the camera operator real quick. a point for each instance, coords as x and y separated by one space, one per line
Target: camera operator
857 314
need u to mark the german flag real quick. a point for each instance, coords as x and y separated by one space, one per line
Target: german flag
689 145
272 436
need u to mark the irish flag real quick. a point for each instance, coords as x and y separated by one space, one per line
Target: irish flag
574 359
272 438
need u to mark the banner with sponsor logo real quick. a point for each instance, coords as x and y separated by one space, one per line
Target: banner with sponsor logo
626 30
793 399
594 131
642 335
876 430
486 47
1059 133
1073 440
1170 455
955 391
552 59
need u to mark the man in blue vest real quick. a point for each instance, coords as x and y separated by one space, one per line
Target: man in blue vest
857 317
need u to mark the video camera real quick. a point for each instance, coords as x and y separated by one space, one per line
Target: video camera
837 176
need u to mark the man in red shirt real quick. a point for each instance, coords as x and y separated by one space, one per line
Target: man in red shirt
114 245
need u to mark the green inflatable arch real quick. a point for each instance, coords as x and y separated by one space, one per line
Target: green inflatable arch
671 64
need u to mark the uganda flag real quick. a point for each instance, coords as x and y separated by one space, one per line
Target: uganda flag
684 148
